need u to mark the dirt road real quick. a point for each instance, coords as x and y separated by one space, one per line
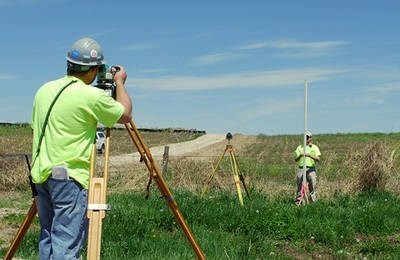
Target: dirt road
176 149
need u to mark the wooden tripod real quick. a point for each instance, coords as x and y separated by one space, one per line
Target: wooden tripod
154 173
97 199
237 176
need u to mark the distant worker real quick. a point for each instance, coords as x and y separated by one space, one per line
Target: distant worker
64 121
312 156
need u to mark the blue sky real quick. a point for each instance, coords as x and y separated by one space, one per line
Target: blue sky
220 66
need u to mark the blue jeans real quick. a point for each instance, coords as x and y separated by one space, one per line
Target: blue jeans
62 206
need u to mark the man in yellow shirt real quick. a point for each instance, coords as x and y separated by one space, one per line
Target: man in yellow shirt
64 121
312 156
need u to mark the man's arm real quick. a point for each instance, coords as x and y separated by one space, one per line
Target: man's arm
122 95
315 158
297 154
297 158
316 154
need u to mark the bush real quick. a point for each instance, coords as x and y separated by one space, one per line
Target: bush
372 166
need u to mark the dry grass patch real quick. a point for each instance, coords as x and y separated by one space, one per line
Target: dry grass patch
13 173
372 167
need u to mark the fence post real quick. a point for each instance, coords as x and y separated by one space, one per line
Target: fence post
165 161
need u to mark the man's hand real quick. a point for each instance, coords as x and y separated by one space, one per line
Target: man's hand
122 95
120 76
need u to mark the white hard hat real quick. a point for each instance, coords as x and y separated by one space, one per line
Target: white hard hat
86 52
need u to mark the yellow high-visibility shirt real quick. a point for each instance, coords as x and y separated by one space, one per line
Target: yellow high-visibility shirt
310 149
71 127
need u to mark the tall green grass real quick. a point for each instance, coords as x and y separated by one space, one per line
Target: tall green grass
362 226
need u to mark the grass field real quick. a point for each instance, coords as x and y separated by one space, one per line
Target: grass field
356 215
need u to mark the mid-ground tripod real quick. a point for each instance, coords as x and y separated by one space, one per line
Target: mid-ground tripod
238 177
97 199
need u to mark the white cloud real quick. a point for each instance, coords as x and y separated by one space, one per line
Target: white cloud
297 49
259 79
388 75
386 88
371 99
213 58
28 2
150 71
269 108
103 33
6 76
141 47
252 46
291 44
8 2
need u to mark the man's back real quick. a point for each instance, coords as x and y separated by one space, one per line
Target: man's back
71 127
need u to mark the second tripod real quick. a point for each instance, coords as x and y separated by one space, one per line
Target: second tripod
237 175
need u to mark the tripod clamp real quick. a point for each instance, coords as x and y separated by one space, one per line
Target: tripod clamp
99 206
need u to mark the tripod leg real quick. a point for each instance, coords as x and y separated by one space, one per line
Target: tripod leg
97 202
95 216
30 216
162 186
212 174
240 174
236 177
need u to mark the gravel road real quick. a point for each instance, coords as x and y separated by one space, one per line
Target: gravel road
176 149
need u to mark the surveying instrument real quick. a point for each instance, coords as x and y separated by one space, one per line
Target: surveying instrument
237 175
98 185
